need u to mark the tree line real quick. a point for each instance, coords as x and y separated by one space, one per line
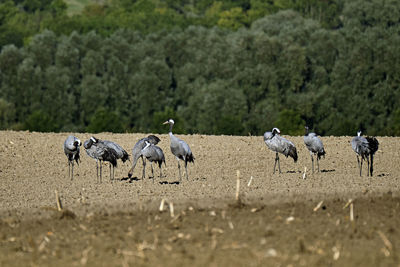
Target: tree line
335 69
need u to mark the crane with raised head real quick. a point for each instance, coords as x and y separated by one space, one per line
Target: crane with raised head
279 144
180 149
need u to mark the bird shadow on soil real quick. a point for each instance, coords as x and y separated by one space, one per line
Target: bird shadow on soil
130 180
332 170
383 174
166 182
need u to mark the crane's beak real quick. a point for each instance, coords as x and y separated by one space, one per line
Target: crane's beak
167 122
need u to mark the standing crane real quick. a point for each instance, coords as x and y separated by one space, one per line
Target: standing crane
96 149
180 149
121 153
152 153
366 148
137 149
279 144
72 150
315 146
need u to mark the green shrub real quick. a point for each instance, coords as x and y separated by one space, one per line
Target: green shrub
105 121
41 122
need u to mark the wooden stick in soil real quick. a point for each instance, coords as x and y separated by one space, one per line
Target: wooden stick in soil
58 201
237 185
351 212
251 179
171 209
162 204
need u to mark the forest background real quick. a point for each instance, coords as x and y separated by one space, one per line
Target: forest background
216 67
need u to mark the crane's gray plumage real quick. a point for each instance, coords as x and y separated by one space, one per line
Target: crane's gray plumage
279 144
137 149
315 146
121 153
152 153
180 149
96 149
366 148
72 151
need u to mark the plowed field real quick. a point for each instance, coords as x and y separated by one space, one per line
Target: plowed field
277 221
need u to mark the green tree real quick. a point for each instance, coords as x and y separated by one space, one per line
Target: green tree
105 121
7 114
41 122
290 122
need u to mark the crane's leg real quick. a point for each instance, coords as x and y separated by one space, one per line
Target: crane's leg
160 171
312 162
279 163
368 165
69 171
152 170
97 170
318 163
101 171
72 171
187 176
144 169
372 164
276 159
179 168
361 165
111 171
358 164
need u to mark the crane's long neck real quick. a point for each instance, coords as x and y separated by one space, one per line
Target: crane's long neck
147 145
170 128
307 131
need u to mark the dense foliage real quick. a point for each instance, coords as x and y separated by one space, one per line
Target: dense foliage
229 67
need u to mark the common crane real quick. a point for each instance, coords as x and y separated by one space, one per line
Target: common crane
279 144
366 148
315 146
121 153
72 150
137 149
152 153
96 149
180 149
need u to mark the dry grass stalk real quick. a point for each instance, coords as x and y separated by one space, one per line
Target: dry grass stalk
385 240
171 209
348 203
237 185
85 255
305 173
336 253
162 204
251 179
58 201
351 212
318 206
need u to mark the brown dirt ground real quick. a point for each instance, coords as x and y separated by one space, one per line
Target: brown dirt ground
119 223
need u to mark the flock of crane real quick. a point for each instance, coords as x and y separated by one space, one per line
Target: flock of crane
147 149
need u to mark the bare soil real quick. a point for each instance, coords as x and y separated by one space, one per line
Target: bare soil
276 222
